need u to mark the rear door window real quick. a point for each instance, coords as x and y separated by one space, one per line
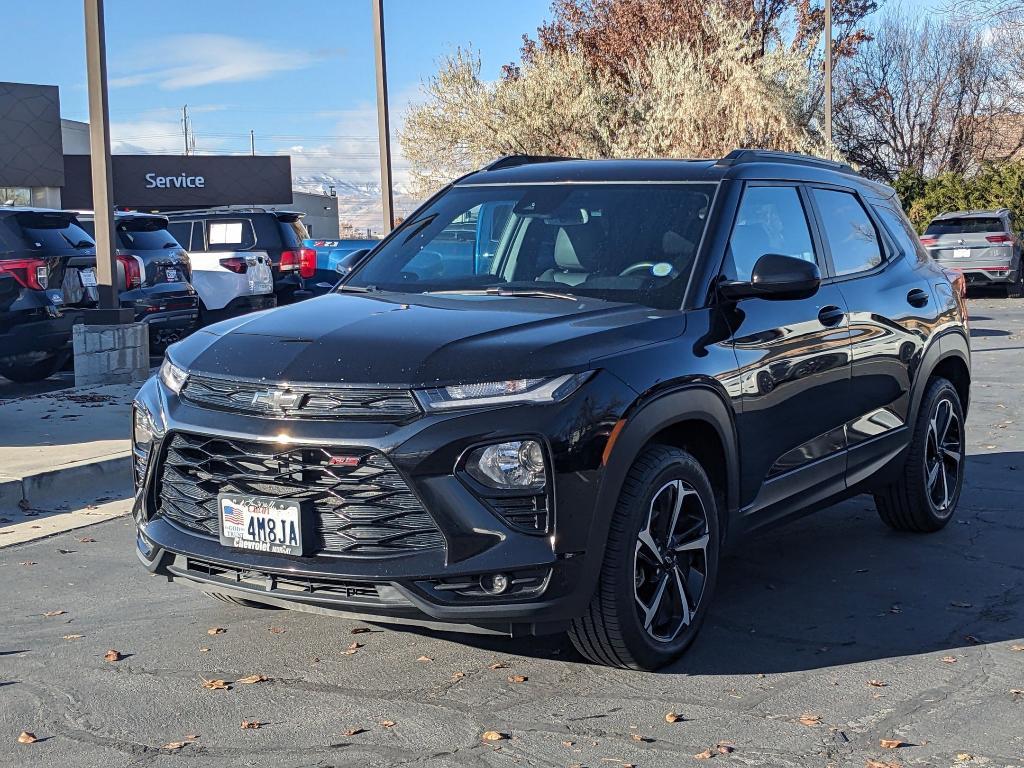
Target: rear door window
852 239
51 232
230 234
181 231
968 225
902 233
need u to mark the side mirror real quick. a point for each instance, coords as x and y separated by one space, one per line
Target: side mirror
349 261
776 277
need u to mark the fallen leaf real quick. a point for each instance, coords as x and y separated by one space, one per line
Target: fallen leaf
963 757
458 676
1017 648
51 614
191 736
972 640
112 655
424 659
216 631
354 648
215 685
360 630
498 665
204 650
353 731
72 637
517 678
568 743
890 743
1017 691
27 737
673 717
880 764
957 604
725 747
896 608
251 725
387 723
949 659
174 746
276 630
877 683
810 720
24 504
28 562
707 754
642 739
493 736
252 679
87 540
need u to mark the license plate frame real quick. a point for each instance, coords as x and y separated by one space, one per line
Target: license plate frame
961 253
88 278
171 274
281 532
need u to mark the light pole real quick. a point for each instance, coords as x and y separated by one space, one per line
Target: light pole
383 128
99 153
828 76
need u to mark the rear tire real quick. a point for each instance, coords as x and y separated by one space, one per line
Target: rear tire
25 373
924 499
1015 289
242 601
660 565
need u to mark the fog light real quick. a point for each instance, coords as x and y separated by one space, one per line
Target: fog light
516 464
495 584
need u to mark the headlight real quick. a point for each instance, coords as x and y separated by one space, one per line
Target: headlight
547 390
518 464
172 376
143 430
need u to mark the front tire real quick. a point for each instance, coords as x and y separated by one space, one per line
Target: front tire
660 565
26 373
924 499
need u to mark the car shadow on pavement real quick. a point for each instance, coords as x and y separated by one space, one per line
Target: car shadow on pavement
839 587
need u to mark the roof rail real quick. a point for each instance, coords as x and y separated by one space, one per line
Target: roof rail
511 161
740 156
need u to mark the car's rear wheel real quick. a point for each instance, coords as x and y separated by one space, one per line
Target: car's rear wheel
1015 290
925 497
242 601
26 372
659 568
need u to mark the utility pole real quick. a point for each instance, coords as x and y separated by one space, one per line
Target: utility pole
184 125
828 76
383 129
252 142
99 153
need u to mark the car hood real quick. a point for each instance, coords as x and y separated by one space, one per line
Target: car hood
421 340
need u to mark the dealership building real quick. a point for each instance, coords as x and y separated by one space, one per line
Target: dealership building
44 161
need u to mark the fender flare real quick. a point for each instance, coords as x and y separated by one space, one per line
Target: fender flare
949 344
644 420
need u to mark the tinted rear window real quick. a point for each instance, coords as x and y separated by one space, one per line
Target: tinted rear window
293 233
965 226
145 235
47 231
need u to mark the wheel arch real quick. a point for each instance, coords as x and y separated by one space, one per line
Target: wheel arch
948 356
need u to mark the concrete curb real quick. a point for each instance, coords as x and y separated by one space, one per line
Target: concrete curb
65 487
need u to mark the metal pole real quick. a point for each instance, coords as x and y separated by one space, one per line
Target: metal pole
184 125
252 141
383 130
828 76
99 153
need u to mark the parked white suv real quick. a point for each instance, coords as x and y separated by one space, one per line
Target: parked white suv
229 280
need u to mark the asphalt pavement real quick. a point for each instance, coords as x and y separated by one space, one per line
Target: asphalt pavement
827 637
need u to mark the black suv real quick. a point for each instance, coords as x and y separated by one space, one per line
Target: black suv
234 232
153 274
560 425
47 274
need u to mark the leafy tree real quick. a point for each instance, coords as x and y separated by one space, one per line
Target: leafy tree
994 186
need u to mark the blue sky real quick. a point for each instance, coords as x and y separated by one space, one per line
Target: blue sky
297 72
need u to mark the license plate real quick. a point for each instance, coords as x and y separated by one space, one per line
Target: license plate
961 253
88 277
261 523
171 274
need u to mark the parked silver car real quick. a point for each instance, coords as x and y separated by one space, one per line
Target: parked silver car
984 245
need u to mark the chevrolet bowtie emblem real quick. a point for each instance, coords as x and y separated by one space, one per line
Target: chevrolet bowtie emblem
276 399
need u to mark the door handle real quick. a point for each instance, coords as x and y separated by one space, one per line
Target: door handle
917 297
830 316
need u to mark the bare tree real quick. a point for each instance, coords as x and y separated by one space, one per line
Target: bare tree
995 13
924 95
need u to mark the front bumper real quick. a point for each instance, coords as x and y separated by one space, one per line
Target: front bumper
417 587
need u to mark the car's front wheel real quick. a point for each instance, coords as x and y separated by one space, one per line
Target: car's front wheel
924 498
27 372
659 568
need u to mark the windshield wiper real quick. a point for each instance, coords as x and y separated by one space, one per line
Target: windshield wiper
499 291
356 288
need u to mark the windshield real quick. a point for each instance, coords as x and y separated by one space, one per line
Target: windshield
632 243
53 231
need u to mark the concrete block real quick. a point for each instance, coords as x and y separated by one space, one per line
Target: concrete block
111 354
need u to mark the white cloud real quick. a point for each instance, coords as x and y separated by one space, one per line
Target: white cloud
204 59
153 136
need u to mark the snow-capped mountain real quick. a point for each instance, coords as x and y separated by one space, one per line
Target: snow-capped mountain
358 201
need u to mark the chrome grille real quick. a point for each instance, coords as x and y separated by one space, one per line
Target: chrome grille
363 511
304 401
